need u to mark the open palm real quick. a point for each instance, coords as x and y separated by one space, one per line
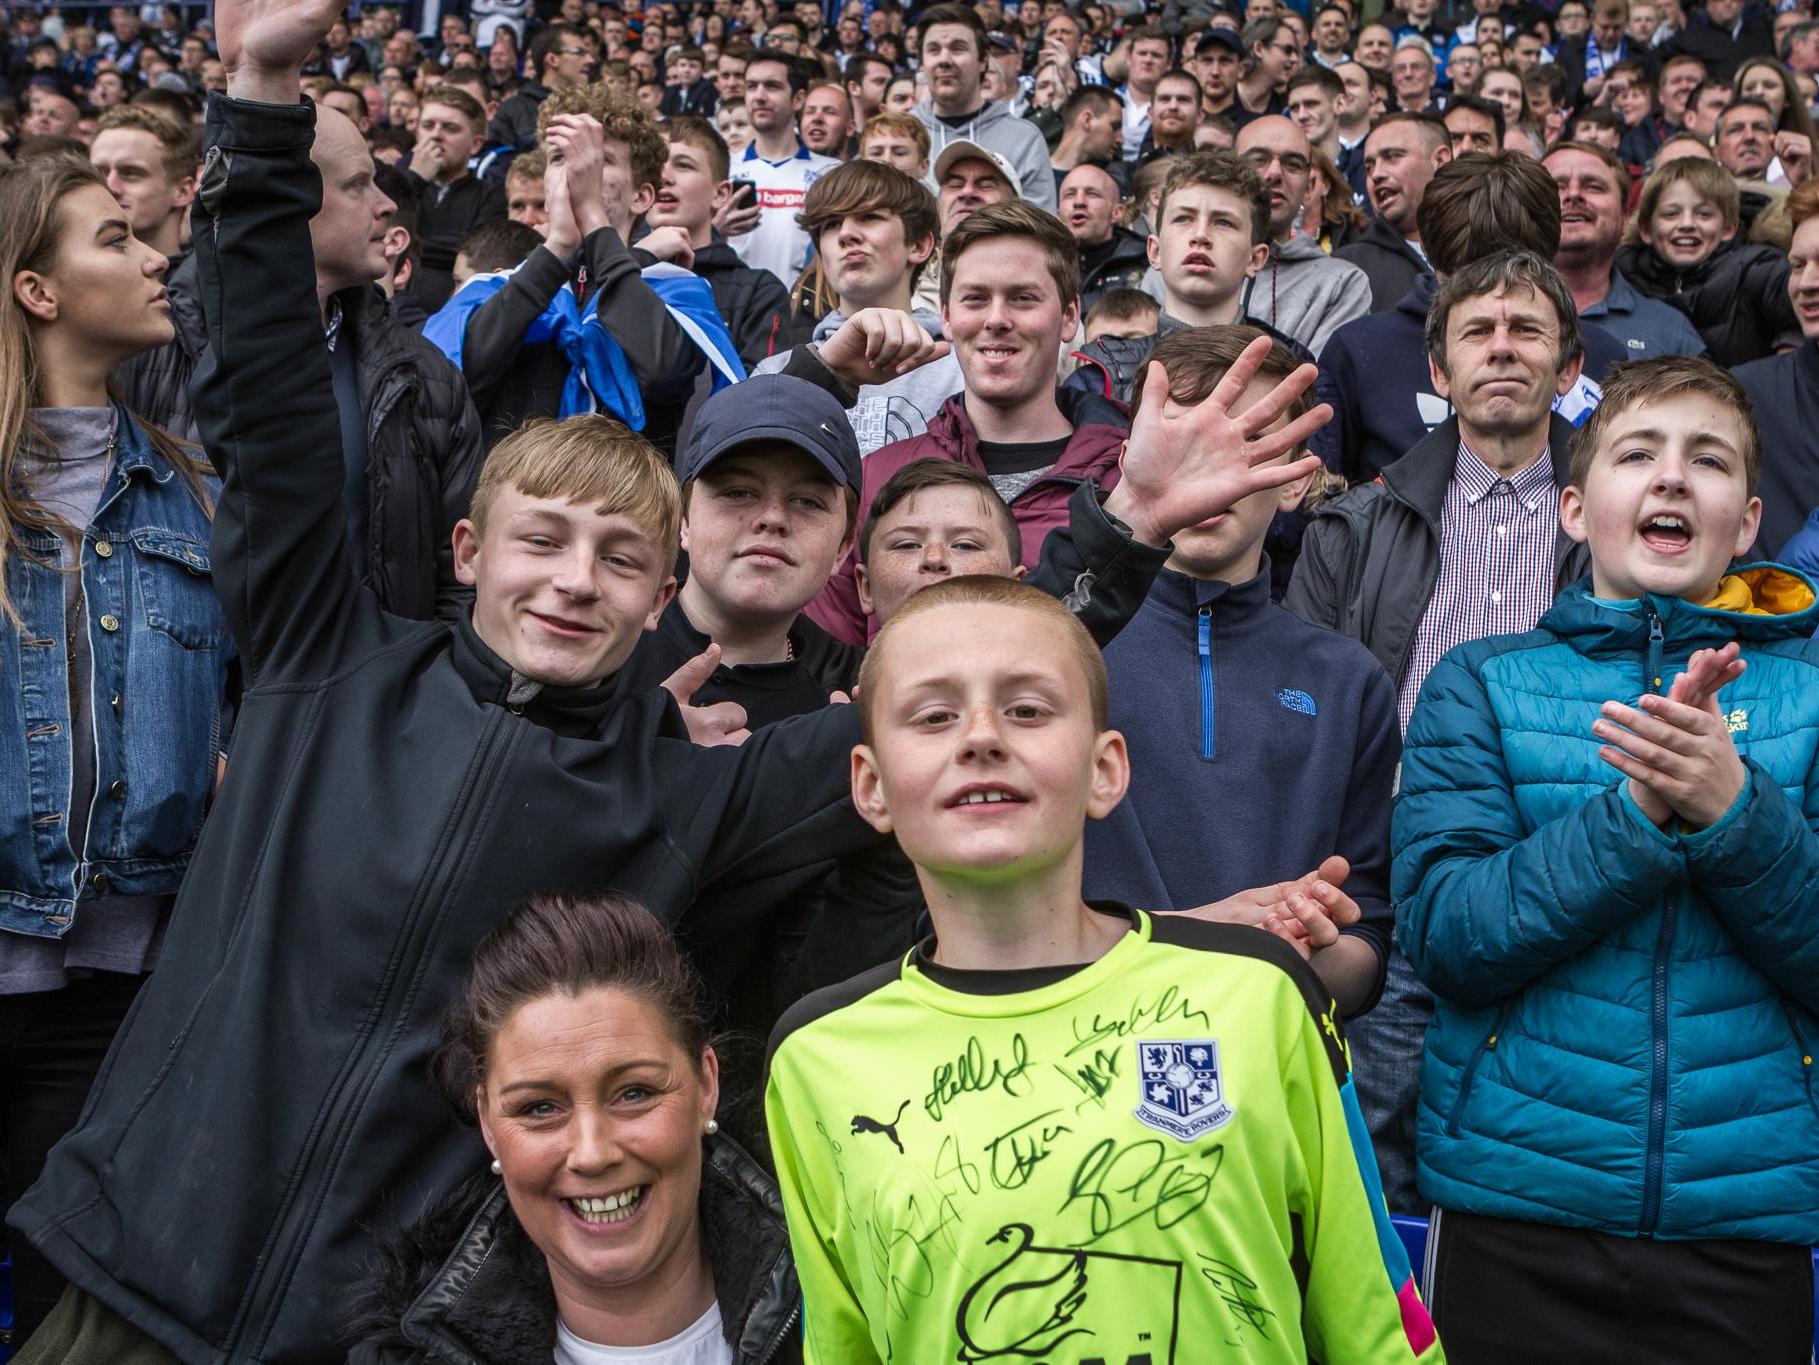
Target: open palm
271 35
1188 462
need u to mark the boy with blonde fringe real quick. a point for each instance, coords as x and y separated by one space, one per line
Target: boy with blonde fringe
1058 1130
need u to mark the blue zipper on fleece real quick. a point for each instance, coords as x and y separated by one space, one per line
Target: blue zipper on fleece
1206 682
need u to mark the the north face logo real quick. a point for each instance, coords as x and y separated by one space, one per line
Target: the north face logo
1293 699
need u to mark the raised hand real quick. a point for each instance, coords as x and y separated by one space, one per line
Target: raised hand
1307 912
264 44
561 235
669 243
428 160
1184 463
578 142
1706 673
1679 757
721 723
875 345
740 213
1796 153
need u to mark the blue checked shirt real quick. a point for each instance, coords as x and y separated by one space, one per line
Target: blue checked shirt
1496 563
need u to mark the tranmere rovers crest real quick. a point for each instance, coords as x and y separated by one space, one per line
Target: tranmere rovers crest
1180 1089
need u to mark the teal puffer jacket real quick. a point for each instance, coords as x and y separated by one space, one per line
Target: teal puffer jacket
1624 1022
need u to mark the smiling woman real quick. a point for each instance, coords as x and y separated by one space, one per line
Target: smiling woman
622 1225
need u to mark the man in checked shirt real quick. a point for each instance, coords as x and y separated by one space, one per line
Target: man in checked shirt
1457 540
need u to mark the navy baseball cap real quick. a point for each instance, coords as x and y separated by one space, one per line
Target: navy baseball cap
780 408
1219 37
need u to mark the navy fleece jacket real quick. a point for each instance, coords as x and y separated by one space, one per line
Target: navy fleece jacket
1260 745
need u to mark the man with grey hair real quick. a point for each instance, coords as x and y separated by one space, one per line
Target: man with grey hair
1457 540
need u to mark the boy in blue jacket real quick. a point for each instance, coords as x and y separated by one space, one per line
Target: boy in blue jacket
1606 869
1260 745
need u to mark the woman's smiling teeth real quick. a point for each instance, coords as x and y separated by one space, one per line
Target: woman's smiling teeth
614 1208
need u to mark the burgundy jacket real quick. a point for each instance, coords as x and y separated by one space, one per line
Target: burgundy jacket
1100 428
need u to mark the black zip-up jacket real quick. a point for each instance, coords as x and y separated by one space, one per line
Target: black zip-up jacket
1387 260
422 438
1371 558
264 1115
466 1286
754 304
1119 263
514 125
444 217
512 382
1736 297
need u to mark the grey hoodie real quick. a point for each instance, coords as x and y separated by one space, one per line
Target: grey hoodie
901 408
1308 294
997 130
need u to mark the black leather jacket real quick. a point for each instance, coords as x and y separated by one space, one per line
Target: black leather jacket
465 1286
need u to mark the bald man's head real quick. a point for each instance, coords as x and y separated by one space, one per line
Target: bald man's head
1284 158
1089 205
348 232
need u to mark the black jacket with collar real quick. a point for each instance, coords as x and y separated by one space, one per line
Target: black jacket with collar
444 217
422 435
1120 263
515 123
1371 558
466 1286
1722 53
1388 262
1736 297
263 1118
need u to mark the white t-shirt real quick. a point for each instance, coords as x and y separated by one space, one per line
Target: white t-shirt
1136 123
700 1344
777 244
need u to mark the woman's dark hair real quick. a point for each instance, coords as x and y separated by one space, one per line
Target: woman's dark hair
564 943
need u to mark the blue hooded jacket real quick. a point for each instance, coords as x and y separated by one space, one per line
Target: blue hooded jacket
1624 1017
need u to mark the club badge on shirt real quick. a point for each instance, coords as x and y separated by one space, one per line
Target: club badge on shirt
1179 1088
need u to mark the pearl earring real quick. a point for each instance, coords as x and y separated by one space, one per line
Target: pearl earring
497 1168
713 1126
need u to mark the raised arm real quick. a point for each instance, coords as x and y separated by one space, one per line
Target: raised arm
264 399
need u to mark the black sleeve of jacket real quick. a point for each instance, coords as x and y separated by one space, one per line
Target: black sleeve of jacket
496 330
1095 568
1773 305
457 445
760 323
803 363
265 401
1313 593
761 823
660 352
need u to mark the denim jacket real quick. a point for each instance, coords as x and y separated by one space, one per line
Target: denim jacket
161 662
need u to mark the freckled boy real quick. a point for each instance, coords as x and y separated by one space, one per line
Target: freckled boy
1058 1131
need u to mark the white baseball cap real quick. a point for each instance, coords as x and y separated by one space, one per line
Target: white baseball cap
965 149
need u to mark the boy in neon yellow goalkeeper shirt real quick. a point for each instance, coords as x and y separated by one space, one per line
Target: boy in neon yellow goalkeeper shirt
1058 1132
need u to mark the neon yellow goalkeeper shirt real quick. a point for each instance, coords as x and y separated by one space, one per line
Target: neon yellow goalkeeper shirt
1154 1159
